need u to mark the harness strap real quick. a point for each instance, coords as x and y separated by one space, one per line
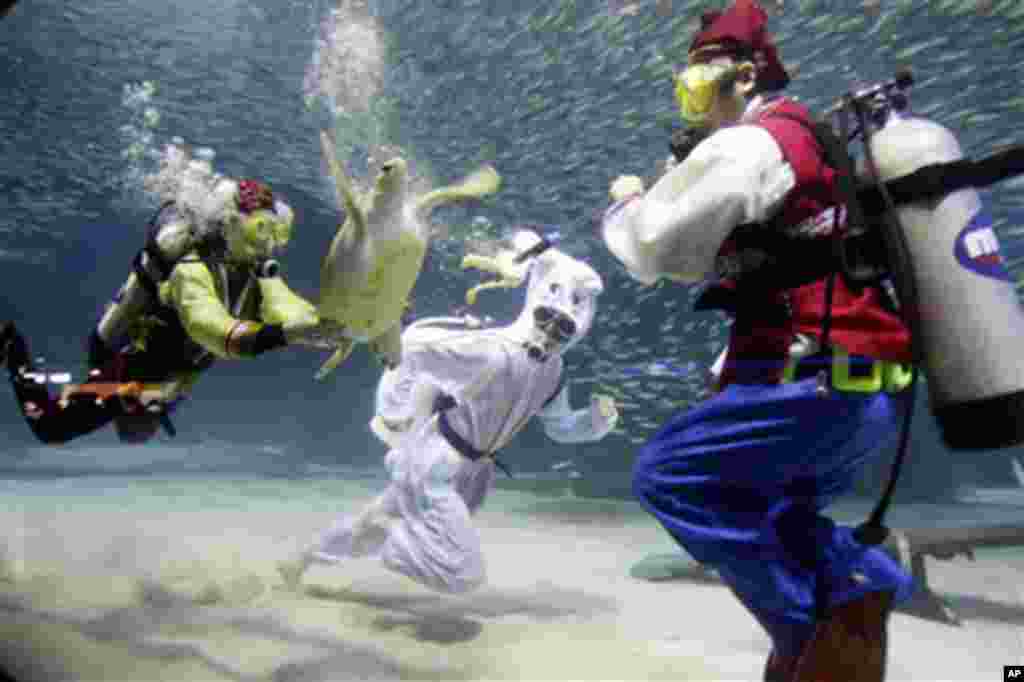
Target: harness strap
146 279
938 179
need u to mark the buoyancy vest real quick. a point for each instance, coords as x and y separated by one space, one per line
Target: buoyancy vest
150 340
773 276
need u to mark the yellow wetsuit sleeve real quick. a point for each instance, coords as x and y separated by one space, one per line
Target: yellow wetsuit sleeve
280 305
191 291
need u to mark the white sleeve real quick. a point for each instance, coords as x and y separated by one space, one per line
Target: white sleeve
736 176
402 398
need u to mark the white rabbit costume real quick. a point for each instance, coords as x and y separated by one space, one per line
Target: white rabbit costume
458 397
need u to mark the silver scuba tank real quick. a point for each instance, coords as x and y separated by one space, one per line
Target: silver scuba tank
172 235
971 322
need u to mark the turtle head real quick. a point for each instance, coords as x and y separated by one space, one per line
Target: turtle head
392 176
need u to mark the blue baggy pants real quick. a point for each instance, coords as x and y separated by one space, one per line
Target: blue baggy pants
740 482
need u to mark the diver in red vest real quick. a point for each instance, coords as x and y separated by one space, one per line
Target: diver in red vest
811 386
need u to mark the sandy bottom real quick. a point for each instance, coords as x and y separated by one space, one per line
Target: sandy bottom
174 579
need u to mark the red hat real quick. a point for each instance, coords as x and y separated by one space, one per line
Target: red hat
739 31
254 195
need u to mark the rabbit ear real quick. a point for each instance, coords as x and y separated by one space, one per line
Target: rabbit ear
543 264
524 239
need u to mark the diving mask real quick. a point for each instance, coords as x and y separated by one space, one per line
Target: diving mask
260 233
696 89
552 331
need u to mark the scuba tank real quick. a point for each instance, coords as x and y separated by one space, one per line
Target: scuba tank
966 316
168 238
915 224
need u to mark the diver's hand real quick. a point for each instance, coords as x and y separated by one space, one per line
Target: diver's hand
323 334
684 141
604 415
626 186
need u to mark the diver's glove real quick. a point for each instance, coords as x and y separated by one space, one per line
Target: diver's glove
684 141
626 186
604 415
248 339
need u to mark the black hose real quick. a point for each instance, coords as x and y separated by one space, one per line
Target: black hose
874 531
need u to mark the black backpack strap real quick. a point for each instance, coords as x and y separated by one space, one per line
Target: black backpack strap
150 265
858 250
935 180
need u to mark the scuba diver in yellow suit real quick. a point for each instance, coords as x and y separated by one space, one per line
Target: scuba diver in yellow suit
203 288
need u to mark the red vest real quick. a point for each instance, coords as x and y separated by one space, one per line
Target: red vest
861 324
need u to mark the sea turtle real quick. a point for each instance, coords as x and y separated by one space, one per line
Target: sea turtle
378 252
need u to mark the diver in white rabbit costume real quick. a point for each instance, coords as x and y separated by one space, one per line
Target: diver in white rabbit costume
461 393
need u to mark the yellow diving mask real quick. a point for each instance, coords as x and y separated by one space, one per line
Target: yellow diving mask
696 88
260 234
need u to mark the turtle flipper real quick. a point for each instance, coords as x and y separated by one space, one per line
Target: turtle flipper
338 357
388 346
345 194
481 182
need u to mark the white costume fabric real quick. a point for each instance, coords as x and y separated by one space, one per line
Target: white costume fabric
736 176
421 526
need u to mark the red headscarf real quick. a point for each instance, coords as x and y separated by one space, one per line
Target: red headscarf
254 195
740 31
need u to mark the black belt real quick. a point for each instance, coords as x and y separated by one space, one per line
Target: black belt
441 406
464 447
